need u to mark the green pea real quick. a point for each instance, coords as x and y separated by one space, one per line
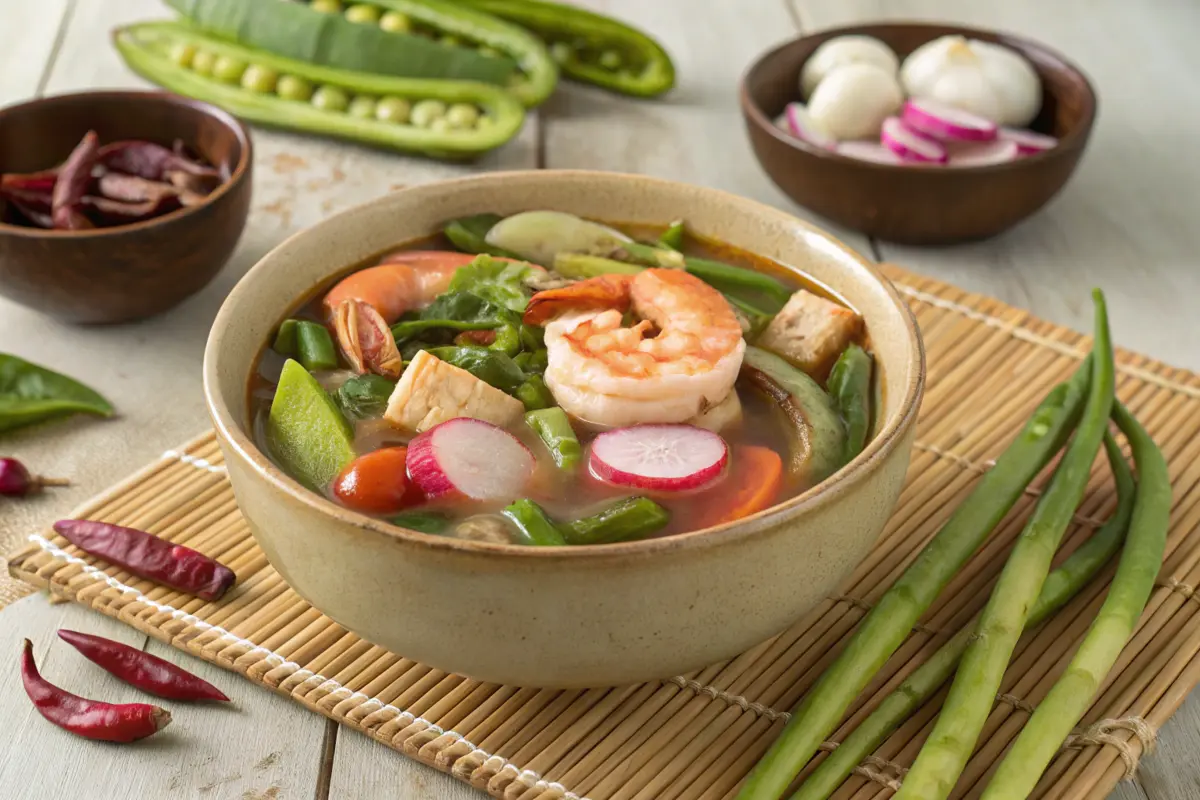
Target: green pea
462 115
183 53
228 69
451 41
440 125
610 59
362 107
293 87
326 6
330 98
426 111
393 109
260 79
490 52
561 52
395 22
363 14
203 61
485 122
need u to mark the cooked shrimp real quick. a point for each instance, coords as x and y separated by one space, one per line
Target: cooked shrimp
679 360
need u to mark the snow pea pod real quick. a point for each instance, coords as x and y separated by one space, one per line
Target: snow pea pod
591 47
316 99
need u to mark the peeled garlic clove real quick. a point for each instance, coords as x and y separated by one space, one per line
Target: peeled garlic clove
840 51
981 77
1014 81
966 88
853 101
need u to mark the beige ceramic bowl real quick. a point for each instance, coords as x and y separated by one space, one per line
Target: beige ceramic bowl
563 617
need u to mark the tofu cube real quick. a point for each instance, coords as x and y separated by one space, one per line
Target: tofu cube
431 391
811 332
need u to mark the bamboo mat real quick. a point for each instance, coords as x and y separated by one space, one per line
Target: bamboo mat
695 736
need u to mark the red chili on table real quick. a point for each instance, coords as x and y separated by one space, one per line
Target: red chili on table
150 557
141 669
109 722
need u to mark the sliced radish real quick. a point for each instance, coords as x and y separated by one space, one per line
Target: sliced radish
802 127
868 151
1028 142
469 458
909 144
983 154
663 458
947 122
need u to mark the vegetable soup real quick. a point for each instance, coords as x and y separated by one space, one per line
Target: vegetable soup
543 379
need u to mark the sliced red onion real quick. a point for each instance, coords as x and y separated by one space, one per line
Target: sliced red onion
983 154
1028 142
909 144
946 122
802 127
868 151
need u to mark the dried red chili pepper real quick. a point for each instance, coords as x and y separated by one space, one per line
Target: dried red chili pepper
42 181
150 557
133 189
109 211
141 669
148 160
17 481
73 178
109 722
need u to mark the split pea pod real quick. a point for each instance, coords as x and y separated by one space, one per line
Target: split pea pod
591 47
408 114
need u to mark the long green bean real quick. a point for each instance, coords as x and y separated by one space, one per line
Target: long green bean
672 237
1110 630
533 526
888 623
631 518
978 677
314 346
1061 585
553 427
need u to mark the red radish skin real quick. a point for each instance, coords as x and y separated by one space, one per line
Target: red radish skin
869 151
909 144
658 458
800 126
983 154
1028 142
946 122
469 458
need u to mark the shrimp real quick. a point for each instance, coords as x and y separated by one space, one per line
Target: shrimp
678 361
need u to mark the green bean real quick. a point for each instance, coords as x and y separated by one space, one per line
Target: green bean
395 22
756 320
508 340
203 62
183 54
393 109
423 521
850 385
1061 585
533 362
426 111
534 393
533 337
978 677
631 518
362 107
553 427
363 14
728 278
293 87
887 624
314 346
672 237
533 526
228 69
260 79
285 339
462 115
578 265
330 98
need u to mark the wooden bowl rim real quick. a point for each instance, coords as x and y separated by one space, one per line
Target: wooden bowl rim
1073 139
223 117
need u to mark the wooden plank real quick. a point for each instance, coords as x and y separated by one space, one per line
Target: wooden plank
363 767
28 39
259 746
1171 772
1125 221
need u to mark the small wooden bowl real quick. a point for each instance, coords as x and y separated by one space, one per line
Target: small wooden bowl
132 271
917 204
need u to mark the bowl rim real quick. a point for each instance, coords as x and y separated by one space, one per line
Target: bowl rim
887 440
1074 138
229 121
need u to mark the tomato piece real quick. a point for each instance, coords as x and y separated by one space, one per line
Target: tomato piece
375 483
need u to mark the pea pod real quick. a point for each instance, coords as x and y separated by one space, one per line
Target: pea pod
152 49
591 47
294 30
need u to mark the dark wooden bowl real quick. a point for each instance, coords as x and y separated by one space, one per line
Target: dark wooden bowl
132 271
915 204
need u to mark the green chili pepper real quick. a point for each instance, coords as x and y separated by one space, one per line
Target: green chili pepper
423 521
146 48
508 340
285 339
468 234
533 526
581 39
553 427
490 366
672 237
850 385
534 393
631 518
314 346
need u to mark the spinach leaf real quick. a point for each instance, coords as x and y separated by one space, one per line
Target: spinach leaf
469 234
463 306
498 282
364 396
490 366
29 394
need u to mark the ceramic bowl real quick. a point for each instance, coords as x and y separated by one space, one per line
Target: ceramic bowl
128 272
917 204
563 617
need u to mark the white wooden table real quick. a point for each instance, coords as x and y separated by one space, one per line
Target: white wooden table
1127 222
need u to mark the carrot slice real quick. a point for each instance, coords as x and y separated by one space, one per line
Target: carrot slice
753 486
